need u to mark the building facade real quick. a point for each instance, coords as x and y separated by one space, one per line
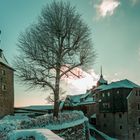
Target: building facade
82 102
6 87
134 114
118 109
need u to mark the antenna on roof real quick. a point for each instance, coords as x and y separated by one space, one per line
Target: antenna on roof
101 71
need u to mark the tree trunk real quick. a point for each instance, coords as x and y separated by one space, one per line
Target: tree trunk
56 103
56 95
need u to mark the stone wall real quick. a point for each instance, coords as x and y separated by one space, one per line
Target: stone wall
134 114
6 90
114 124
79 132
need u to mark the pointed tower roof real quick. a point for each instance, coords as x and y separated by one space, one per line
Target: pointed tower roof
3 60
101 81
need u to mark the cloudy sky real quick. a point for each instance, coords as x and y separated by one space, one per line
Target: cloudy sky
115 27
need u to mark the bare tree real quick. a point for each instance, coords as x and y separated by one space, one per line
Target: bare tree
59 42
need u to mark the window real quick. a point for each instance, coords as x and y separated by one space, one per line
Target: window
104 115
139 120
120 126
120 115
3 87
3 72
104 125
106 105
137 93
138 106
118 91
103 94
133 135
96 95
108 93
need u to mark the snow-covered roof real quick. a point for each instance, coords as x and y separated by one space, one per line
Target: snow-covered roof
39 107
93 116
85 95
100 87
81 99
74 98
3 59
118 84
132 92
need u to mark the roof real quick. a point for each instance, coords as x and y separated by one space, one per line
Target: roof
85 95
81 99
3 59
100 87
39 107
132 92
120 84
102 80
74 98
93 115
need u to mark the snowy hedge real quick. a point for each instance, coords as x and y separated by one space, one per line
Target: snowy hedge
65 120
68 123
9 123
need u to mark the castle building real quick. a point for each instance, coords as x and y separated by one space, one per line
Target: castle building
118 108
6 86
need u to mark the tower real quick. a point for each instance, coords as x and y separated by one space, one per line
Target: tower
101 81
6 86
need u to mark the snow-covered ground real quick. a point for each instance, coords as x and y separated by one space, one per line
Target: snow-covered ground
65 120
13 125
38 134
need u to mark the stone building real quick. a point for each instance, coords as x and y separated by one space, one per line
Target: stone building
82 102
6 86
133 100
118 109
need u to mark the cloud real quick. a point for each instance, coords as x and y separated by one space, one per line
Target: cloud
107 7
139 53
79 85
134 2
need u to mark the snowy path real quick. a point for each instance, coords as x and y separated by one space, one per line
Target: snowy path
39 134
103 135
